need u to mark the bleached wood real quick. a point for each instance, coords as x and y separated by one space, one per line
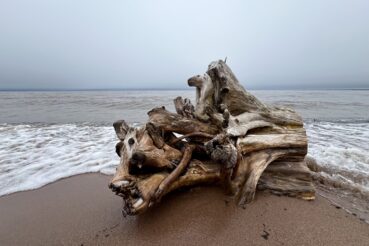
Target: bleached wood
236 141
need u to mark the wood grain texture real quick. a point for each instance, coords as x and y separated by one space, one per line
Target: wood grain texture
229 138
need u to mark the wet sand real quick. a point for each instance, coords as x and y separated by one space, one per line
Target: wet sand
81 210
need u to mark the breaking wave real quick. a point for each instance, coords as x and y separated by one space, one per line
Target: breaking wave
33 155
341 151
341 166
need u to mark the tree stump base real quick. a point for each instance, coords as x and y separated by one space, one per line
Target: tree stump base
228 138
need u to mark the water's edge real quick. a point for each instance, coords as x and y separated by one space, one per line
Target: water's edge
34 155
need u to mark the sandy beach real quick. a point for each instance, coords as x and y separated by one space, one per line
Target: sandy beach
81 210
172 105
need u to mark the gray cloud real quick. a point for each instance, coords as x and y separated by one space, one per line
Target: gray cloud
50 44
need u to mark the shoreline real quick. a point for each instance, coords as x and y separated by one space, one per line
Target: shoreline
81 210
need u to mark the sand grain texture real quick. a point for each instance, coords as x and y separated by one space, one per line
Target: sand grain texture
82 210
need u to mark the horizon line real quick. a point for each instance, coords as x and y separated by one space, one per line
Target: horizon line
170 89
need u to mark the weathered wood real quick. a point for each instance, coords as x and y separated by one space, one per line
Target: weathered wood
228 91
121 128
204 95
170 122
189 135
164 185
288 178
229 138
256 142
184 107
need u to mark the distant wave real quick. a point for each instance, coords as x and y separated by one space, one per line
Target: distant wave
340 121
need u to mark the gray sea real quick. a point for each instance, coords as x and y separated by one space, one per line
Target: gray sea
48 135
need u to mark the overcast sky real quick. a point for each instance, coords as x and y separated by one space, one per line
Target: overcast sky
90 44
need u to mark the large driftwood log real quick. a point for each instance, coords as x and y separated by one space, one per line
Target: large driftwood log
228 138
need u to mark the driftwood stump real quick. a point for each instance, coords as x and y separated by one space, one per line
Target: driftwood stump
228 138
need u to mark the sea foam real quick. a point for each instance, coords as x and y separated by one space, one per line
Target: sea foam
33 155
341 151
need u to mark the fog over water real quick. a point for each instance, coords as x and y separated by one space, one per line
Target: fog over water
47 136
51 44
52 52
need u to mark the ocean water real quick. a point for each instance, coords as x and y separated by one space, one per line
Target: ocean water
46 136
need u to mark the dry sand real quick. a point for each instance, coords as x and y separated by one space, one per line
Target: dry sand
81 210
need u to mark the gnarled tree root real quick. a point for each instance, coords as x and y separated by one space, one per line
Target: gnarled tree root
229 138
